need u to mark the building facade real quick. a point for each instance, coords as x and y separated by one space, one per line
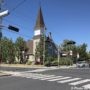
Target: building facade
39 31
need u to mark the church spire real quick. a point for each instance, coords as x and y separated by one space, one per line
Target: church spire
40 21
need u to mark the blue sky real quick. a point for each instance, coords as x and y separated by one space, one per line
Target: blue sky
66 19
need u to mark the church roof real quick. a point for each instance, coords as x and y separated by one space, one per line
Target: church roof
30 46
40 21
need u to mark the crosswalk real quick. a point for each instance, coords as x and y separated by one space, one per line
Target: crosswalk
41 70
84 83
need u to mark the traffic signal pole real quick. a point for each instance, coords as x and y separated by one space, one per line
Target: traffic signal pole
10 27
0 31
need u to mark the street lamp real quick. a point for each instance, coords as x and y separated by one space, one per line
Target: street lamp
4 13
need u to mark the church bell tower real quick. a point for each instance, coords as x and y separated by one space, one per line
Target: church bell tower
39 29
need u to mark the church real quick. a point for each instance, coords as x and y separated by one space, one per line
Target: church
39 31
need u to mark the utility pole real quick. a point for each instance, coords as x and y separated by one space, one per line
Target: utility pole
1 1
10 27
44 45
58 55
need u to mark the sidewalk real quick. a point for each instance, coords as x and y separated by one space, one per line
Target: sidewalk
22 66
35 66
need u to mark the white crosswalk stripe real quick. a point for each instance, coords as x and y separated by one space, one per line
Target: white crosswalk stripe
59 79
41 70
86 86
69 80
41 77
48 78
79 82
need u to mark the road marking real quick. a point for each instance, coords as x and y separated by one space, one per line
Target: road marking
36 76
69 80
59 79
40 70
79 82
56 79
41 77
48 78
86 86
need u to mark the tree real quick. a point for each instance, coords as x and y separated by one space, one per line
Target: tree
39 50
67 45
82 50
21 49
7 50
50 50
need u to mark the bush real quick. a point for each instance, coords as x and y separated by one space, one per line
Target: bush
47 63
65 61
29 63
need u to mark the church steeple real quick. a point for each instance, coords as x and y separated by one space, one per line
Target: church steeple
40 21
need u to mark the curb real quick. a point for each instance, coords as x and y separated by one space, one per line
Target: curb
5 75
22 66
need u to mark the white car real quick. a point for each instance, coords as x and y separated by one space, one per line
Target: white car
82 64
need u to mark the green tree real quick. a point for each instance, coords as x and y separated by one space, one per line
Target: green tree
49 51
67 45
82 50
7 50
39 50
21 49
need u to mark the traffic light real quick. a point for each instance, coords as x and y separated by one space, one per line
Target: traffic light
13 28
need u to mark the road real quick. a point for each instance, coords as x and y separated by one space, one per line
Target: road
20 69
47 79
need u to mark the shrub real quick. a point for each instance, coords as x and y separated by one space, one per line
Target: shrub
29 63
65 61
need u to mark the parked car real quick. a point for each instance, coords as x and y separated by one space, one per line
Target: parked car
82 64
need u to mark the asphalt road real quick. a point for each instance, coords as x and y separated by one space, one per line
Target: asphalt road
82 72
18 83
46 80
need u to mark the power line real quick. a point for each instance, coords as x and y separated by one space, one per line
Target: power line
6 20
13 9
20 34
18 5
